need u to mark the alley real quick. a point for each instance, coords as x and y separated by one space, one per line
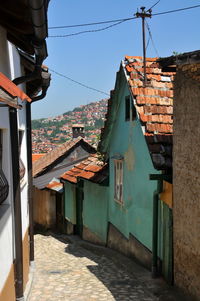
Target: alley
67 268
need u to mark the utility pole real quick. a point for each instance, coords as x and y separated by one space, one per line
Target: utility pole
143 14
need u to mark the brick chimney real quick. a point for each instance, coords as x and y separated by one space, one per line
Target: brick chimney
78 130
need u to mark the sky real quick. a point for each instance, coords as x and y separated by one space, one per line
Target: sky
94 58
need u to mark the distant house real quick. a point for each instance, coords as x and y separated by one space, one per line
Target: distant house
48 206
137 142
186 167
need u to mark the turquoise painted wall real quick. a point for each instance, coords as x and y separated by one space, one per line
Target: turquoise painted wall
95 209
70 202
127 139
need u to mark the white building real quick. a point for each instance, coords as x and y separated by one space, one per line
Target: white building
23 30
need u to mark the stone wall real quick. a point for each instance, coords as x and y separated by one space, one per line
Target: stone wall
186 155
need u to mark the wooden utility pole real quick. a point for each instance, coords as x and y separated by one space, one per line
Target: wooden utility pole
143 14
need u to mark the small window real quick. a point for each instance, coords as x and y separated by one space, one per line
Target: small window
127 108
4 188
130 111
118 174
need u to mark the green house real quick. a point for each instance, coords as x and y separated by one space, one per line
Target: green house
128 214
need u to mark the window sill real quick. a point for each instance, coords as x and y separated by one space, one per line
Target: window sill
119 202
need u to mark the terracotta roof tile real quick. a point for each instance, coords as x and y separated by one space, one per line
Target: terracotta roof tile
90 169
153 103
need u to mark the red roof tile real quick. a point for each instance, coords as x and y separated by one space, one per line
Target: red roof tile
88 169
153 103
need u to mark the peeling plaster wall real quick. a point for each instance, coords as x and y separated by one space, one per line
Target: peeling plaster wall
186 202
127 139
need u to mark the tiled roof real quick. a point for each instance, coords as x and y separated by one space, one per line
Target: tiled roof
55 185
41 164
35 157
153 104
90 169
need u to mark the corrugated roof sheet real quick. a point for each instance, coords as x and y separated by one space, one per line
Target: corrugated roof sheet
91 169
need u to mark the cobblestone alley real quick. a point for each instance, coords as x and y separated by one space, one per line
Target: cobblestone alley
67 268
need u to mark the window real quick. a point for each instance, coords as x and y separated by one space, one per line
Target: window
130 111
21 164
118 174
4 188
127 108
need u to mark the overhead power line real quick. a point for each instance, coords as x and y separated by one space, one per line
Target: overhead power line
120 20
78 83
151 37
175 10
91 24
87 31
153 5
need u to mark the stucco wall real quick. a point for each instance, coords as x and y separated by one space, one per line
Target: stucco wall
135 215
95 209
186 203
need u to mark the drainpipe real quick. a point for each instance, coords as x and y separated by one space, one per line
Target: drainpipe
154 270
17 204
30 181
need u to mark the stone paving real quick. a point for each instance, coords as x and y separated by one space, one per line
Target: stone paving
66 268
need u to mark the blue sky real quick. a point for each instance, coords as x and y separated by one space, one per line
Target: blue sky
94 58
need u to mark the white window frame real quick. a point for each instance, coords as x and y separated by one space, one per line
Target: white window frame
118 181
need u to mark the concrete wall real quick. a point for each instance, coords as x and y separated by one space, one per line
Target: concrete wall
134 216
186 203
95 212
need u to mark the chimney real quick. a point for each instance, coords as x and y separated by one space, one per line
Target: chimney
78 130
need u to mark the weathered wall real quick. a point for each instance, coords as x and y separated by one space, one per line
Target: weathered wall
186 207
44 208
134 216
130 247
95 212
70 202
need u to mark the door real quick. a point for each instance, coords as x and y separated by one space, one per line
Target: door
79 209
167 265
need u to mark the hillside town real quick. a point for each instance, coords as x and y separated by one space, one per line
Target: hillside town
49 132
101 202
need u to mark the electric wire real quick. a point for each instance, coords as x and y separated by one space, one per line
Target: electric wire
175 10
120 20
77 82
87 31
91 24
153 5
151 37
